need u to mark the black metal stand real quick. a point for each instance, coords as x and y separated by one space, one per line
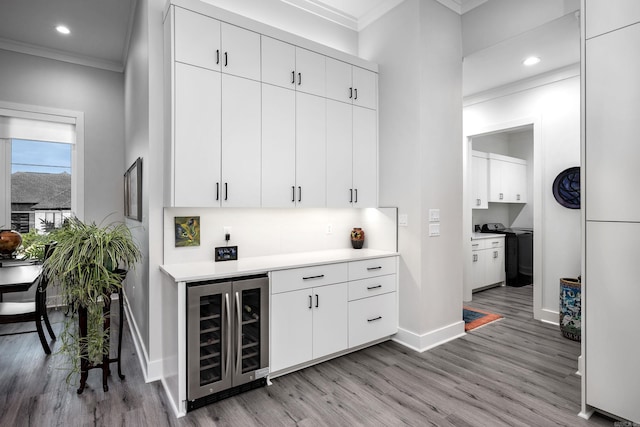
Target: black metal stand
85 366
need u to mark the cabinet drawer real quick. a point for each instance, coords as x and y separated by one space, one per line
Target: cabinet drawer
307 277
477 245
372 318
372 268
371 287
494 243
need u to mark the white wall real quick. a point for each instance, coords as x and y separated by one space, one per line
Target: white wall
417 46
556 107
33 80
498 20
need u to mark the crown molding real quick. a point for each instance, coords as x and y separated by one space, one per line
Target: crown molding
462 6
59 55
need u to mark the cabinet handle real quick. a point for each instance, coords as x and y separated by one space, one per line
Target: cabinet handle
226 191
299 194
501 196
374 268
517 197
217 191
228 314
495 254
374 319
299 79
320 276
478 202
356 201
369 288
356 92
217 56
226 59
350 93
351 195
293 77
293 193
317 300
310 301
239 336
475 257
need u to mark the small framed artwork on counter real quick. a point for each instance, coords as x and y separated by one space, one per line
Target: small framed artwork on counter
133 191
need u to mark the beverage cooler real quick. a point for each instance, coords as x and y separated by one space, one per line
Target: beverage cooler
227 338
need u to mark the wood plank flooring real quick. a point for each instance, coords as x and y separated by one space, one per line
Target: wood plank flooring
513 372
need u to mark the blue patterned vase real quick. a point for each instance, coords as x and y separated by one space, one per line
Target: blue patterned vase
570 312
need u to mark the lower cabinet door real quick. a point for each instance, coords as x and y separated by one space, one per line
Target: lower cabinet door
372 318
330 305
291 329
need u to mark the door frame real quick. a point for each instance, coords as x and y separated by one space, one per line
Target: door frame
538 223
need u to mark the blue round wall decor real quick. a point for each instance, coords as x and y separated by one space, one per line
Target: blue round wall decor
566 188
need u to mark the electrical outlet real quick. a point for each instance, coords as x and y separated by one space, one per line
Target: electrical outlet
329 229
434 230
434 215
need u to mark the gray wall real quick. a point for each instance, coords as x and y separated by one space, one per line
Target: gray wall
32 80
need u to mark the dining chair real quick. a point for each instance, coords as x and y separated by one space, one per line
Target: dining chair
32 311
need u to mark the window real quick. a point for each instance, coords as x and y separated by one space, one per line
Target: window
40 184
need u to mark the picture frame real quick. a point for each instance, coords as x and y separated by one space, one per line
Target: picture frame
133 191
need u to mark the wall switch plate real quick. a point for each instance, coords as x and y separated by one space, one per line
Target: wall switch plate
403 220
434 215
434 230
226 253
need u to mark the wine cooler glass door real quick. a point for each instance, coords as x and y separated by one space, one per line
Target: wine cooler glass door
209 337
252 317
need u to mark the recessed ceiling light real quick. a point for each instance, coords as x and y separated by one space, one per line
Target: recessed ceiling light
63 29
532 60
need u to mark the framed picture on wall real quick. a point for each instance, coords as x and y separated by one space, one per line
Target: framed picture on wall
133 191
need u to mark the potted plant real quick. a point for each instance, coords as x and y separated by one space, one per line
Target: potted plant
88 264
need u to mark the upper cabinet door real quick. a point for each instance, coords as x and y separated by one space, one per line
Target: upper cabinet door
310 72
196 151
479 173
240 54
197 39
339 155
365 83
278 63
604 15
311 154
365 158
339 86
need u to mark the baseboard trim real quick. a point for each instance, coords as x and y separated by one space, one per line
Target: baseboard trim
431 339
550 316
143 357
176 411
586 414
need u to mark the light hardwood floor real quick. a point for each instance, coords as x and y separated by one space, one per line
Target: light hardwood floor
513 372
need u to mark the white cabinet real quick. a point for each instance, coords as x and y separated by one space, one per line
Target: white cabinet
351 156
292 67
326 309
612 295
351 84
479 180
311 154
507 179
604 16
197 127
241 117
487 262
612 125
308 323
209 43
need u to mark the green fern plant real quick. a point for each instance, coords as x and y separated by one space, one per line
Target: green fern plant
87 264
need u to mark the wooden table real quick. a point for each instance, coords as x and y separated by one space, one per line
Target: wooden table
18 279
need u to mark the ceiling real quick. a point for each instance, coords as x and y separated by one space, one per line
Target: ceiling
101 30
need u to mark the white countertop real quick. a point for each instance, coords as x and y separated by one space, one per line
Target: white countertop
479 236
188 272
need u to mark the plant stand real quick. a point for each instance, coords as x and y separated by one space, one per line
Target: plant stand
85 366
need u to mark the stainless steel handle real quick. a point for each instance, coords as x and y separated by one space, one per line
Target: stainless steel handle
373 287
320 276
317 300
374 268
374 319
239 333
226 295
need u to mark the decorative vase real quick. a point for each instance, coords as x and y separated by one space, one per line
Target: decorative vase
357 238
570 312
9 241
